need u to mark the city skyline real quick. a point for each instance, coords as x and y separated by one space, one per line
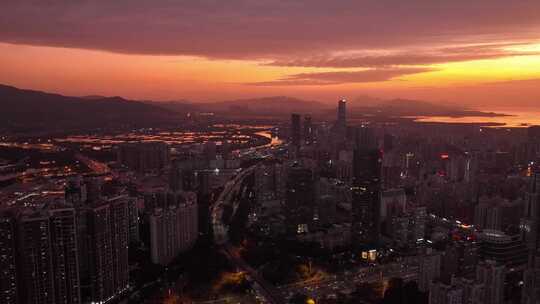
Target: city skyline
480 55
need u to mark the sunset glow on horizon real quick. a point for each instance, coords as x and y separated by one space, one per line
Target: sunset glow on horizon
491 57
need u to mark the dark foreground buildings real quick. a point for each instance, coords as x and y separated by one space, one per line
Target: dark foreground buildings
57 252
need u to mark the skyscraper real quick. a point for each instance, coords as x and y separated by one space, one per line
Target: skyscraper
299 199
364 138
342 114
308 130
176 176
295 130
531 217
340 127
366 195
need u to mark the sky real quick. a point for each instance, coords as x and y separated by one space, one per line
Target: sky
483 53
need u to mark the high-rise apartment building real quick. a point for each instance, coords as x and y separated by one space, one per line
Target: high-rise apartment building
49 256
108 238
9 285
173 228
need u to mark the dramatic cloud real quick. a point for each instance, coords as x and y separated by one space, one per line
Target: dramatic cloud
409 57
267 47
332 78
265 29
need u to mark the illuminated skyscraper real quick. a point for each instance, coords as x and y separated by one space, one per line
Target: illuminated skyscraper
342 114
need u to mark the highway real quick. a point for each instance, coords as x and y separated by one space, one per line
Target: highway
349 280
267 291
230 190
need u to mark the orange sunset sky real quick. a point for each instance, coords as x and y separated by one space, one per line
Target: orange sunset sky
477 53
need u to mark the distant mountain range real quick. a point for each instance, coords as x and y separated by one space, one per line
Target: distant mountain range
270 107
28 110
279 106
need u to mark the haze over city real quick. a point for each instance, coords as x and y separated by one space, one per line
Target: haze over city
479 54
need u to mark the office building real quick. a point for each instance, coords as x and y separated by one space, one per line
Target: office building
299 199
366 196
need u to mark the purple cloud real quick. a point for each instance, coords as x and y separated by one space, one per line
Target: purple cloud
266 29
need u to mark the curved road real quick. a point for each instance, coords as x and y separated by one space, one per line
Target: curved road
266 290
